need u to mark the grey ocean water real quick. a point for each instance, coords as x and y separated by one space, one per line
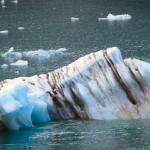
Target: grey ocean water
48 26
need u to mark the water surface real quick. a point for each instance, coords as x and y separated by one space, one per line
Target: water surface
79 135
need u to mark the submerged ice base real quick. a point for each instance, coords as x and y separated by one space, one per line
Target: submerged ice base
100 85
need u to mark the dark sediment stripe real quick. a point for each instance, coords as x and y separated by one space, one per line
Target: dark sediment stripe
142 84
123 85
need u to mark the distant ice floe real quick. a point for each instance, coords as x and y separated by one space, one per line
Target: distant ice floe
43 54
21 28
12 56
73 19
19 63
5 32
112 17
3 6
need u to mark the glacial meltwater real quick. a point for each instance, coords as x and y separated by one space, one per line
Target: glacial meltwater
67 30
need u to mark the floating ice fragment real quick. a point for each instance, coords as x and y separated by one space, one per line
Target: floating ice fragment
112 17
5 32
74 19
14 1
39 54
21 28
118 17
3 2
12 56
100 85
19 63
4 66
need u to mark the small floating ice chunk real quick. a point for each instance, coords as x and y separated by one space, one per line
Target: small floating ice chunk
74 19
112 17
40 54
3 2
5 32
3 6
14 1
57 52
21 28
12 56
19 63
4 66
118 17
62 49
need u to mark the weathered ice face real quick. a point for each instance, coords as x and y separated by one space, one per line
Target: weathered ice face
100 85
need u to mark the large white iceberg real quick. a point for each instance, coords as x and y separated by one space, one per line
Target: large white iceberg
100 85
112 17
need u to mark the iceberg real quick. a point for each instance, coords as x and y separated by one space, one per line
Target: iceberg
37 54
112 17
100 85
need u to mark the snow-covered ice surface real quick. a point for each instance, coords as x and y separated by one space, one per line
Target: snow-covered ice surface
100 85
112 17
